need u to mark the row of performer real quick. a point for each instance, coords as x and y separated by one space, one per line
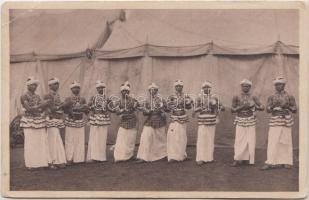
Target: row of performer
44 117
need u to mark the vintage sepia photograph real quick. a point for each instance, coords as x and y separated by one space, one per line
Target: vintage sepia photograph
153 102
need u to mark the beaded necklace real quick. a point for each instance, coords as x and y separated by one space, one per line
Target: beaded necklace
33 99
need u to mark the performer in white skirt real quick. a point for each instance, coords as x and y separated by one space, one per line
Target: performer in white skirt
99 122
126 136
75 123
281 105
177 133
55 122
208 106
33 122
153 139
245 105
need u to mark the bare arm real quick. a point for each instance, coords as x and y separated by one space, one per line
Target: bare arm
43 103
270 104
198 107
90 103
220 106
258 104
235 107
25 104
51 107
146 110
292 104
188 102
170 104
66 104
84 106
216 105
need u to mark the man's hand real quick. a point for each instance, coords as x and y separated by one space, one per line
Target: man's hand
35 109
277 109
241 107
213 102
277 103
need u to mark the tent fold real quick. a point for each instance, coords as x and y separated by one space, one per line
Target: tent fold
33 57
165 51
138 51
27 57
219 50
161 51
287 49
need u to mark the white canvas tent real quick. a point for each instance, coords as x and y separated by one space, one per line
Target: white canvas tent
223 46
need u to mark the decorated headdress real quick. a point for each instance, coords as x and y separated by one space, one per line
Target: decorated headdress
31 80
178 82
153 85
246 82
207 83
74 84
99 83
279 79
53 81
124 87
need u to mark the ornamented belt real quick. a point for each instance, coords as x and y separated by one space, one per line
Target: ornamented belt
207 119
181 119
286 121
99 119
245 121
33 122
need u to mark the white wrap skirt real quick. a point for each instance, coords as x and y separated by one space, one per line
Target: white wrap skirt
125 144
36 151
279 147
205 143
244 147
177 141
75 144
56 147
97 143
152 144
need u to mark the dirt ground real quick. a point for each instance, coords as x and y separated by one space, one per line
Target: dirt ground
156 176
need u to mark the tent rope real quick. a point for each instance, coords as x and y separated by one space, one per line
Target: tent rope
65 81
131 36
63 30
